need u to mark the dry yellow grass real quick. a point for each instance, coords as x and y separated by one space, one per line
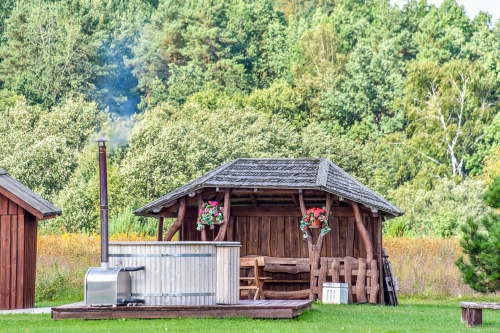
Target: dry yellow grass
62 262
423 267
426 267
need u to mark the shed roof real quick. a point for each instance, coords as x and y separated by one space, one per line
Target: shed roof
279 173
25 197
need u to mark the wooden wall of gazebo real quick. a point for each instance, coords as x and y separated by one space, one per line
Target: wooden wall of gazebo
266 222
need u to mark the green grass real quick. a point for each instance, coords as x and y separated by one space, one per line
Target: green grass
410 316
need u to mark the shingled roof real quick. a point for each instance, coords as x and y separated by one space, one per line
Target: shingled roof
281 173
25 197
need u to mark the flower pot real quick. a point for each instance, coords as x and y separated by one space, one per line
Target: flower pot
315 224
214 221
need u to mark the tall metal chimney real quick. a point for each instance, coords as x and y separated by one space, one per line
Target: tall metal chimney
103 177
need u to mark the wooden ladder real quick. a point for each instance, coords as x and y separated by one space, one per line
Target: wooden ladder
390 283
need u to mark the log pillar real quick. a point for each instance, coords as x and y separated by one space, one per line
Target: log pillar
314 250
178 222
227 213
200 202
365 235
160 229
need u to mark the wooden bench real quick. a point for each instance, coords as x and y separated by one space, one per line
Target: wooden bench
472 312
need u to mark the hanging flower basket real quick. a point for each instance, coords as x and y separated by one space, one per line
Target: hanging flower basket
210 214
315 218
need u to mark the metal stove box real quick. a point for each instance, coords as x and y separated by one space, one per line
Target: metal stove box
107 286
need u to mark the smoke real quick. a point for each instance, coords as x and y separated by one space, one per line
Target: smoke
117 129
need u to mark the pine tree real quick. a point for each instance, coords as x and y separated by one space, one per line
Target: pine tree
481 244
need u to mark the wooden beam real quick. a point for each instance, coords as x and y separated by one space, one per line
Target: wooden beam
295 200
253 198
180 219
299 294
219 196
365 235
47 217
227 213
268 211
160 229
274 191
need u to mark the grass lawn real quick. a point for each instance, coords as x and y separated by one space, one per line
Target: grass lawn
410 316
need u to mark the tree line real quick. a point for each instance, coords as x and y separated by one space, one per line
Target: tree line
403 98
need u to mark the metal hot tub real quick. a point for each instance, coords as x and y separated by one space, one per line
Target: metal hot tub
181 273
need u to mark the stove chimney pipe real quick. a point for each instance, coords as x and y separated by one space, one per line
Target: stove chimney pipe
103 177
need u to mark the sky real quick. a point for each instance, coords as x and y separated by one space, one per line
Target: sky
472 7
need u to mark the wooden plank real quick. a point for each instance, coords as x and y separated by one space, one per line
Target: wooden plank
361 282
4 204
287 261
12 208
5 262
348 278
374 287
350 237
342 236
253 235
242 234
21 203
287 269
480 305
298 294
250 260
335 271
280 248
20 262
334 235
230 229
30 261
265 233
14 262
322 277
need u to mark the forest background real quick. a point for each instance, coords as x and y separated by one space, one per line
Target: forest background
404 99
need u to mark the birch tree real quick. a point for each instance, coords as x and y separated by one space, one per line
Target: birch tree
448 107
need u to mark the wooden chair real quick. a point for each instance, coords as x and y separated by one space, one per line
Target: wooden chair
255 282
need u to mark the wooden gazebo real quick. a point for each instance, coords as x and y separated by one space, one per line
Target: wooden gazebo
264 201
20 210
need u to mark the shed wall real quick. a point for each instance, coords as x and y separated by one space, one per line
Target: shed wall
18 237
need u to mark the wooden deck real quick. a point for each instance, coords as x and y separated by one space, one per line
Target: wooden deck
245 308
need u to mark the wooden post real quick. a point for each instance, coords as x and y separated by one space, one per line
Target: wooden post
180 218
336 270
323 272
374 287
227 213
313 255
381 298
348 277
200 202
365 235
361 282
160 229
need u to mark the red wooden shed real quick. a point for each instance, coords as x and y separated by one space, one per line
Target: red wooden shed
20 210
